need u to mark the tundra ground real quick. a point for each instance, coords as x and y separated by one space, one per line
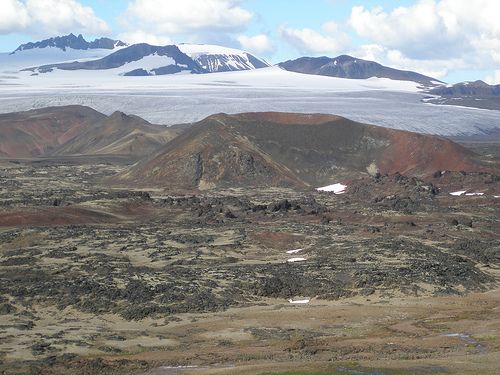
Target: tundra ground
401 276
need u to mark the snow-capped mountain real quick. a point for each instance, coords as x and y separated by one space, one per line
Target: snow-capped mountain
212 58
139 59
72 41
56 50
136 60
71 52
362 90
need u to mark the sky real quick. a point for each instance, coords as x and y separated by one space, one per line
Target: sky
452 40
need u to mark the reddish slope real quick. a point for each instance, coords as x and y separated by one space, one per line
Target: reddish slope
37 132
276 149
207 155
119 134
421 155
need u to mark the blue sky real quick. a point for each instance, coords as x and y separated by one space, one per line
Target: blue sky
453 40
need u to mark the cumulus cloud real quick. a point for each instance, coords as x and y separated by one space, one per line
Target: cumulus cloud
494 79
420 31
432 36
14 16
49 17
258 43
186 16
395 58
430 29
306 40
143 37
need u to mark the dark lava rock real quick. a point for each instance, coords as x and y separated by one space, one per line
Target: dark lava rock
7 308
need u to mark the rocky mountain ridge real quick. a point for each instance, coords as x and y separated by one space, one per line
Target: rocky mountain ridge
345 66
72 41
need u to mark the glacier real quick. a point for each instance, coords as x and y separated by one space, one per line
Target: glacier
186 98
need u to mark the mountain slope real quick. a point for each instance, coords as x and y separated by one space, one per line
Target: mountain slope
159 61
477 94
56 50
345 66
476 88
207 155
285 149
212 58
39 132
78 130
144 59
73 42
119 134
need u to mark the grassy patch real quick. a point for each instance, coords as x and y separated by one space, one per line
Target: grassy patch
356 370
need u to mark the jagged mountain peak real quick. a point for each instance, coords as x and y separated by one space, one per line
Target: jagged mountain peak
74 42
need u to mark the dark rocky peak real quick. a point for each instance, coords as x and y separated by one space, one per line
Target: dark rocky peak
342 59
72 41
106 43
476 88
345 66
131 53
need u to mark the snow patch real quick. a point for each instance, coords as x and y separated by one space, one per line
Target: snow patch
464 192
294 251
293 260
196 50
148 63
299 301
335 188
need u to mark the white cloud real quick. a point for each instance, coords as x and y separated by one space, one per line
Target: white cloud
432 29
396 59
185 16
49 17
138 36
311 41
14 16
420 31
258 43
493 79
432 36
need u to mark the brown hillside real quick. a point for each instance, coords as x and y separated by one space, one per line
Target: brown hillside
276 149
119 134
207 155
38 132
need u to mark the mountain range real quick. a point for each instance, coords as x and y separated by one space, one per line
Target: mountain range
144 60
78 130
477 94
67 62
241 150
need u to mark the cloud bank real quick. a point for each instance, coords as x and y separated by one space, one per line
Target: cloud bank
49 18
